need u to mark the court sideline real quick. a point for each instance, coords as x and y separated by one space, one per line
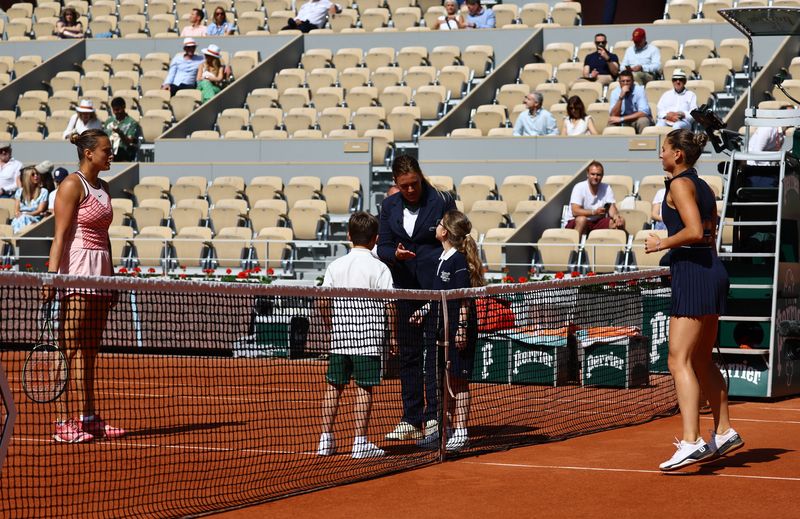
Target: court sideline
609 474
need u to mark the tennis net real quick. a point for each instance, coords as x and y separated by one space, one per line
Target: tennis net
221 388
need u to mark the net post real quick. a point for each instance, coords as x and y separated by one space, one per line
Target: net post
445 380
11 415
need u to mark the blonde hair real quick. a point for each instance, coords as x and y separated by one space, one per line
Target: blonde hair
458 229
213 64
29 191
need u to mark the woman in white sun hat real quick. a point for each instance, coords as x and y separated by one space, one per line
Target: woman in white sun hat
84 118
210 73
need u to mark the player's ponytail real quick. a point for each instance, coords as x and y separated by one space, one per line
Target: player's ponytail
458 229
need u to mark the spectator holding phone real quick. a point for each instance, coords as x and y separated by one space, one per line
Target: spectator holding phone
451 21
601 65
592 204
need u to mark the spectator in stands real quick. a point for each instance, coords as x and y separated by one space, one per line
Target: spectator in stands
601 65
313 15
183 68
451 20
577 122
478 17
210 73
675 106
537 120
81 247
9 171
84 118
124 132
642 59
629 106
407 243
357 334
592 204
459 267
30 200
220 26
45 169
655 213
69 24
58 177
195 29
767 138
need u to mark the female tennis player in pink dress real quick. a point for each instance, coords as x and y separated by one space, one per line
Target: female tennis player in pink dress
81 247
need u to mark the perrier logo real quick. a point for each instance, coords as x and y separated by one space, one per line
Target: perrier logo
603 361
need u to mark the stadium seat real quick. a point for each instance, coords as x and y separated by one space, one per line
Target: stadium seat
604 250
534 74
268 213
489 116
534 13
566 14
153 246
232 247
191 246
278 246
636 214
408 57
382 146
553 184
343 195
394 96
487 214
556 250
525 209
516 188
479 59
184 102
123 211
421 75
474 188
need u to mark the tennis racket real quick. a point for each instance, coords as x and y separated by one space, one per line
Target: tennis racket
45 373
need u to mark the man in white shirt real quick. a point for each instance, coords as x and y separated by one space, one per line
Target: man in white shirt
9 171
642 59
676 105
592 204
313 15
357 333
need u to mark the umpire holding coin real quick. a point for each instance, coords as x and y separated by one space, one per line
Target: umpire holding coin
407 244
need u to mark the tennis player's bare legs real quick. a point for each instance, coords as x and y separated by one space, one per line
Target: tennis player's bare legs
83 325
709 376
330 407
460 404
685 335
363 409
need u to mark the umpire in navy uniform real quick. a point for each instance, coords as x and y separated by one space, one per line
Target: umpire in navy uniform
407 243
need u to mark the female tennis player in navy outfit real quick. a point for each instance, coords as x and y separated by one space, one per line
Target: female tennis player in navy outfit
407 244
459 267
699 294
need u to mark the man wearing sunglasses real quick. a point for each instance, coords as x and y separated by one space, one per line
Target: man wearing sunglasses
675 106
601 66
9 171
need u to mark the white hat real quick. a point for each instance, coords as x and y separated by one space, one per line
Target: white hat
86 106
678 73
189 42
44 167
212 50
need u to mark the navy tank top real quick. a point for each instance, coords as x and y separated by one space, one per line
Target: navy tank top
704 196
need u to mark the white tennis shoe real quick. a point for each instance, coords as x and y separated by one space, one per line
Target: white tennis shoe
686 454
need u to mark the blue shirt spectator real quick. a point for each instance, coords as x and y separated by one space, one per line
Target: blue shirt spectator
479 17
183 68
642 59
629 106
536 121
220 26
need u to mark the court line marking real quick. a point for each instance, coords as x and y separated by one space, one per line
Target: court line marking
756 420
779 408
602 469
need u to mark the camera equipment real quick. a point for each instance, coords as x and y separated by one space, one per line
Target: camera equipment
719 137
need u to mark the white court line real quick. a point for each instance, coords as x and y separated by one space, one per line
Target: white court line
737 419
778 408
169 446
601 469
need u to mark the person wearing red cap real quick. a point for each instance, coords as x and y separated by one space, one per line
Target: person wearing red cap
642 59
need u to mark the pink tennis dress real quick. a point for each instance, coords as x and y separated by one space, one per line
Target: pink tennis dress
86 250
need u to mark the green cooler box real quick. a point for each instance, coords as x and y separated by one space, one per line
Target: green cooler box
491 359
272 335
543 359
616 362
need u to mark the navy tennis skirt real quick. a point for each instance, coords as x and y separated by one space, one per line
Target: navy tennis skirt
699 282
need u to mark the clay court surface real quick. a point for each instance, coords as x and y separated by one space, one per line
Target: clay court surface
607 474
